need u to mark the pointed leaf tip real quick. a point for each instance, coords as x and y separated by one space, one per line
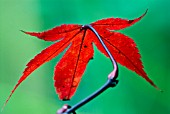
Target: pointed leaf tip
16 86
115 23
22 31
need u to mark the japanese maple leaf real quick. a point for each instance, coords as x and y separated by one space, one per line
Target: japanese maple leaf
69 70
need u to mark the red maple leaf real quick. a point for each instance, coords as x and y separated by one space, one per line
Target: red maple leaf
69 70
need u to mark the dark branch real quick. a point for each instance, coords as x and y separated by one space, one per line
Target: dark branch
114 73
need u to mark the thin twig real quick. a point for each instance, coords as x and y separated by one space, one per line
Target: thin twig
114 73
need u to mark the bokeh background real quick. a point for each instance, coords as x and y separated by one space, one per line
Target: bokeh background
36 95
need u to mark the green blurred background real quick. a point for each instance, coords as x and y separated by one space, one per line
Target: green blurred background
133 95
